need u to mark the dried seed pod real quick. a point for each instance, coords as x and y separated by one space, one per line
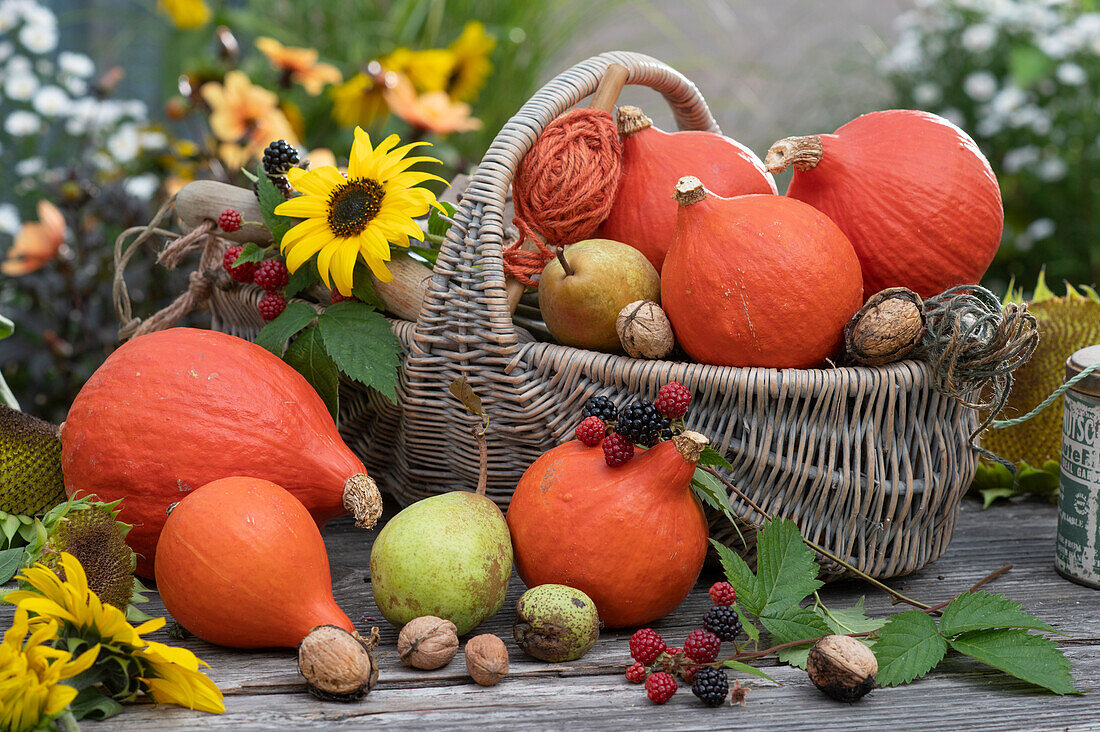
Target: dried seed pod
842 667
644 330
486 659
428 642
887 328
337 665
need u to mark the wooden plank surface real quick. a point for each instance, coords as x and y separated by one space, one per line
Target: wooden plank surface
263 690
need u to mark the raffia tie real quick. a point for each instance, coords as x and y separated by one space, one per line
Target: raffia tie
200 282
563 188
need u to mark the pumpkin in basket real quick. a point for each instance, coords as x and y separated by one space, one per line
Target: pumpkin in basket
644 215
758 280
631 537
173 410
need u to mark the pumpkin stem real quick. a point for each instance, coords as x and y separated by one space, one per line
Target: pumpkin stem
569 272
804 153
362 500
632 119
689 190
690 444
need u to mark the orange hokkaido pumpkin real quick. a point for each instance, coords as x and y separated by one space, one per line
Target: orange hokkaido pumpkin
644 215
633 537
912 192
173 410
241 563
758 280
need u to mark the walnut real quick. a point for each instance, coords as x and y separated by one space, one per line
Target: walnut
842 667
486 659
887 328
428 642
644 330
337 665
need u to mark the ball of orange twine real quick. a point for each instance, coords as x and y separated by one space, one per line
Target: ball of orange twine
563 188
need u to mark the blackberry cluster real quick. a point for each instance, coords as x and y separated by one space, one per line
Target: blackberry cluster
279 157
711 685
641 423
722 620
600 406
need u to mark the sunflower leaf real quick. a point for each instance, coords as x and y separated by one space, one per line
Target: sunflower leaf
10 562
92 703
270 197
308 357
362 345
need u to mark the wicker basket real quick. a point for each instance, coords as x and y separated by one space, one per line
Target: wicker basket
871 462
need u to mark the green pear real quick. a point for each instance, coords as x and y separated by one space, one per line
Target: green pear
449 556
580 305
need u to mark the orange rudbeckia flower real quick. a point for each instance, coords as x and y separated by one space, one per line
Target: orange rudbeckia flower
245 118
432 111
300 65
37 242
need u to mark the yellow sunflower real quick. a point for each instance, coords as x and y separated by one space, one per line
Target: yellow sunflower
175 678
359 101
186 13
471 52
429 70
31 673
360 215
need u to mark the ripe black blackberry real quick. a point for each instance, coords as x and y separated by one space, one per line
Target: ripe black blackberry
599 406
279 157
641 423
711 685
722 620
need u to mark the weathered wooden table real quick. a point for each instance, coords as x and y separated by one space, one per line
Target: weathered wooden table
263 690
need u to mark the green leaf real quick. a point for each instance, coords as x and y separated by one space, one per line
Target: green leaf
270 197
1028 65
1026 656
360 342
908 647
92 703
436 225
302 278
980 610
308 357
429 254
252 252
990 495
849 620
710 456
785 569
711 492
740 576
746 668
747 625
793 623
275 334
11 560
362 287
795 655
462 391
6 327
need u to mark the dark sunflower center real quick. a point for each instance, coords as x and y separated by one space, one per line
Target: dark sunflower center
354 205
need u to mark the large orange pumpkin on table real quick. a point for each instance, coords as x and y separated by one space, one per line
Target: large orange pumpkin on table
170 411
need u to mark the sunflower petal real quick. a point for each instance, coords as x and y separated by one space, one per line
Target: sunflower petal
303 207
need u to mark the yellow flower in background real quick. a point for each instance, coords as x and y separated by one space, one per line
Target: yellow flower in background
429 70
186 13
471 51
357 216
432 111
358 101
300 65
176 679
244 118
31 673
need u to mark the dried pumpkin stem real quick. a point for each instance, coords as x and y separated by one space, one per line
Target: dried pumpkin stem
689 190
632 119
362 500
804 153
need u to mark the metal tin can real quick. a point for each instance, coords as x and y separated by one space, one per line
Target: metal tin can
1077 555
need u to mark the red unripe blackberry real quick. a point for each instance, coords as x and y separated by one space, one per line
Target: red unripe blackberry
636 673
673 399
722 593
702 646
241 273
229 220
272 275
591 431
646 645
617 449
660 687
337 297
271 305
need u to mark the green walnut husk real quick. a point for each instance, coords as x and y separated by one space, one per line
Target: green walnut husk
556 623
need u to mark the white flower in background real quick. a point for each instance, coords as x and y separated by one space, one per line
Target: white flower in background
989 125
76 64
30 166
142 187
50 101
18 65
1041 122
38 38
1020 158
1052 169
125 144
978 38
1071 74
102 160
1040 229
22 123
1060 43
136 109
953 116
9 219
153 140
20 87
76 86
927 94
6 49
35 14
76 126
8 19
1008 99
980 86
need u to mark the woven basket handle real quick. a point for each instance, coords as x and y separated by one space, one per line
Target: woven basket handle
467 287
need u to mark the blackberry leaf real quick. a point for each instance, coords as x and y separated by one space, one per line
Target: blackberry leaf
908 647
308 357
270 197
980 610
362 345
275 334
1026 656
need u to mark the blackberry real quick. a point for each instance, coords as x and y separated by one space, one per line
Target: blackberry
702 646
279 157
711 685
660 687
641 423
645 645
722 620
600 406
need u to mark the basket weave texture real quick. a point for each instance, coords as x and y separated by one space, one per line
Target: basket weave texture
870 462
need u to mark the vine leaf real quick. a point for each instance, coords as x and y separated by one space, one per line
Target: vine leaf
275 334
360 342
908 647
1026 656
308 357
979 610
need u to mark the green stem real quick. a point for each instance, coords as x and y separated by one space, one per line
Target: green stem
434 238
67 722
